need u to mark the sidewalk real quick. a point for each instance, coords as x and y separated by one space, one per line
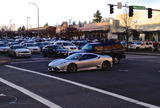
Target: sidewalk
143 53
4 60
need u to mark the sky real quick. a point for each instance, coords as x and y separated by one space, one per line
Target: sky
54 12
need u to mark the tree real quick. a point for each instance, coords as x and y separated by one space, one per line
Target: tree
74 23
85 22
46 24
22 28
80 24
126 22
97 16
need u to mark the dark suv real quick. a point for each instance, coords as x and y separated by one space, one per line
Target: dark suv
54 51
112 48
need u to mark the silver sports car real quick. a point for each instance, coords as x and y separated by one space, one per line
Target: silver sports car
80 62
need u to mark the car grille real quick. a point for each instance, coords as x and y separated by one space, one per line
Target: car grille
53 69
35 49
72 48
24 52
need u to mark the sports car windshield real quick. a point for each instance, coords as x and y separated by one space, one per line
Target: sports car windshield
74 57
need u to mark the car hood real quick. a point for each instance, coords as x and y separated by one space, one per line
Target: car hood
19 50
59 62
33 47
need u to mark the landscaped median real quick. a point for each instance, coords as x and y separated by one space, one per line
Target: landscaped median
4 60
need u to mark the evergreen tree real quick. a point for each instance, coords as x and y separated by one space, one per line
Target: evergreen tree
80 24
73 23
46 25
97 16
85 22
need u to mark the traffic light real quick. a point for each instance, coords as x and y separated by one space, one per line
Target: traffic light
130 11
111 9
149 12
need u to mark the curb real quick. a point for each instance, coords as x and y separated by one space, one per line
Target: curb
148 54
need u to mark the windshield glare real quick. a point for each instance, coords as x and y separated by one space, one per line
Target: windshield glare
74 57
87 47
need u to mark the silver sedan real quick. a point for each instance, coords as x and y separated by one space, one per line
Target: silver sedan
80 62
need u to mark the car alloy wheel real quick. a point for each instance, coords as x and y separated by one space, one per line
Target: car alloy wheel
106 66
72 68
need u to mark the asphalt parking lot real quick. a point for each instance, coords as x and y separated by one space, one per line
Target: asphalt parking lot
134 83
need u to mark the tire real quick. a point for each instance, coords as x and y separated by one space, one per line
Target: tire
116 60
72 68
106 66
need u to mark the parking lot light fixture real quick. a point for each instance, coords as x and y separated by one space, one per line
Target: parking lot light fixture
37 14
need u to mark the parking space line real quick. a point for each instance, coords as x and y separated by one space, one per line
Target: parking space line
30 94
88 87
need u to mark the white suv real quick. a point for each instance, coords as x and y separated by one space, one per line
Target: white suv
67 44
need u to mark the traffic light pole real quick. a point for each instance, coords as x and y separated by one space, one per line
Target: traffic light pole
133 8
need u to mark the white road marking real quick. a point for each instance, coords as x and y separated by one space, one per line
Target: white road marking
123 70
28 61
89 87
2 95
31 94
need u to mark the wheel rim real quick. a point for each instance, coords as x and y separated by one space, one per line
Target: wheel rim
72 68
105 66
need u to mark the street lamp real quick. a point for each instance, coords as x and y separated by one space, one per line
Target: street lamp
37 14
11 24
27 22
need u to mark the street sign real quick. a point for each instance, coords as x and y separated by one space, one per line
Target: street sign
139 7
119 5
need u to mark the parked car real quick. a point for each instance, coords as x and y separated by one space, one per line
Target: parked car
80 62
79 44
147 45
42 44
67 44
33 47
135 45
4 48
54 51
13 43
19 51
